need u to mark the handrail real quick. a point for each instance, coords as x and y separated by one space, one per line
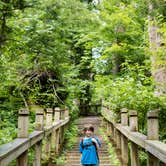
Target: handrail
16 149
121 133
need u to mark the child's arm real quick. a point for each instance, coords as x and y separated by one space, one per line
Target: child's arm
96 143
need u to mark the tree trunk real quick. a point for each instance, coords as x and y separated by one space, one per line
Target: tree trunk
158 70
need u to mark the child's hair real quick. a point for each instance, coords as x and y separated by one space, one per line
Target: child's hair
89 127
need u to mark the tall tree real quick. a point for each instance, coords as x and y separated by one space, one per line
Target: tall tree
157 43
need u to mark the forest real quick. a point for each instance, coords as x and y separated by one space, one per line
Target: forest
76 53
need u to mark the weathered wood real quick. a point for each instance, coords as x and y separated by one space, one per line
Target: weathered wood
153 125
157 148
124 150
62 114
56 120
49 130
39 122
124 117
22 160
49 113
133 121
115 136
112 130
61 137
14 149
108 128
124 140
66 112
57 142
135 137
35 137
23 123
62 129
38 154
56 114
38 145
118 140
153 129
134 147
49 118
134 154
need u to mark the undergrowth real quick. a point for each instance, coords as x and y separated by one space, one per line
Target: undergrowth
111 150
70 139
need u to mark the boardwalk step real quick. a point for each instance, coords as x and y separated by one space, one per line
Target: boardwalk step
73 157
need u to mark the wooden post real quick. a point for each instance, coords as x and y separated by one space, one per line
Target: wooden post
112 131
38 146
39 119
56 119
62 115
66 112
124 140
124 150
118 141
57 142
152 134
124 117
61 130
56 114
49 114
134 148
108 128
115 136
23 123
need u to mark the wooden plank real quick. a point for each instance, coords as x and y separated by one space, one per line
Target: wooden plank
35 137
157 148
19 146
138 138
7 148
49 130
12 150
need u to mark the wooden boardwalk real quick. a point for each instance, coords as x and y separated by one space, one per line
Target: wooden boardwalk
74 156
48 137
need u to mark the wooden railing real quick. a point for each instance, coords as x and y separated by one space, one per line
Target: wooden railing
50 129
122 134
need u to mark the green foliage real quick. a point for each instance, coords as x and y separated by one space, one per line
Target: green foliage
122 32
46 58
59 161
70 139
134 91
71 136
9 134
112 153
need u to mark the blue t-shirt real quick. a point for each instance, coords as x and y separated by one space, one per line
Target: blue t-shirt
88 150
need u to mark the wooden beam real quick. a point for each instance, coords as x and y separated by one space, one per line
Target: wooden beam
12 150
155 147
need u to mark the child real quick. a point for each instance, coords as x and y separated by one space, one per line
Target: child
89 146
92 129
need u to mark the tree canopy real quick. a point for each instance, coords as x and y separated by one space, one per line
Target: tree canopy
76 53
